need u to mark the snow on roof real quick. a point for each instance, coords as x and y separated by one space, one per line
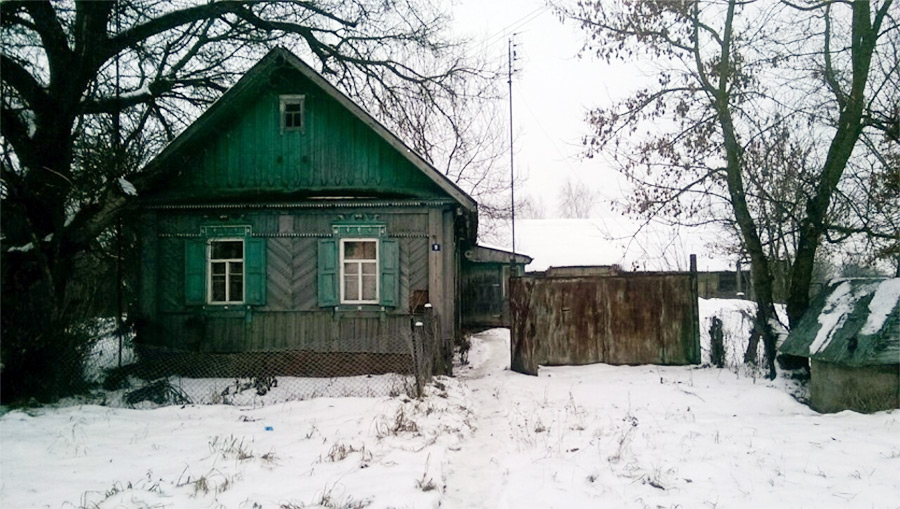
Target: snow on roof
612 240
838 307
855 322
885 300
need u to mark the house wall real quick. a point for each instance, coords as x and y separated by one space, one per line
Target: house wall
335 152
834 387
291 318
633 318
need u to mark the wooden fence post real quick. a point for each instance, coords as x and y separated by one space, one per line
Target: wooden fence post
695 354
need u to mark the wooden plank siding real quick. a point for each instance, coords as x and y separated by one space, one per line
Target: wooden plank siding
335 150
238 172
284 331
291 318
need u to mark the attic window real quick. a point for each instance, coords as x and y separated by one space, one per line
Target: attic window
291 108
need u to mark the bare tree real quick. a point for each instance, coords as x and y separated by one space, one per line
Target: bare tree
747 94
576 200
130 74
531 207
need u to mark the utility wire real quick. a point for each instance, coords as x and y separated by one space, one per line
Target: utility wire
515 25
559 152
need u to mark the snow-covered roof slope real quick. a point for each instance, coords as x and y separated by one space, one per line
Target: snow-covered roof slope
612 240
855 322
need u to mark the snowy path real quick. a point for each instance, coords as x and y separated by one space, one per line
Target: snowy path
474 474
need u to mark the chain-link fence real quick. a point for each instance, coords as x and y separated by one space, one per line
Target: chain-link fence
139 376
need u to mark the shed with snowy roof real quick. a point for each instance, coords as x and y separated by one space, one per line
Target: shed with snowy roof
851 334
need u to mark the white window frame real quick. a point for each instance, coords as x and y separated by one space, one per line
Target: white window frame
343 285
283 101
228 261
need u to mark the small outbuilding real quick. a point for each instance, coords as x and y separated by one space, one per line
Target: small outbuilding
485 286
851 334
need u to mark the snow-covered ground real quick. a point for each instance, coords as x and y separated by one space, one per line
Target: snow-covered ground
588 436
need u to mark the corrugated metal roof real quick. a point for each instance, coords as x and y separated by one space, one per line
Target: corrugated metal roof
854 322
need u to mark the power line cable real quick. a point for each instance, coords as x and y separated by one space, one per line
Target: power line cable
565 159
515 25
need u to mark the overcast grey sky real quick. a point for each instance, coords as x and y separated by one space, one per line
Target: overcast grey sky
551 92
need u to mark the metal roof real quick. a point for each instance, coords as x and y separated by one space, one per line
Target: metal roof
854 322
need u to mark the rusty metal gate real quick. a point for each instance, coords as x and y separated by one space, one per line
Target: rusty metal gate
618 318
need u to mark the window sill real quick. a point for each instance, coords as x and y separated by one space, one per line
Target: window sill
226 310
361 311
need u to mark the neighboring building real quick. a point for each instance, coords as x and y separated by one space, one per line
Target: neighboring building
724 284
289 219
851 334
485 286
614 240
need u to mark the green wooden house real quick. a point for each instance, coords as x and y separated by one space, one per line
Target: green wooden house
290 220
851 334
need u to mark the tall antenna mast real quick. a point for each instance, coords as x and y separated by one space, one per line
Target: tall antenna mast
512 174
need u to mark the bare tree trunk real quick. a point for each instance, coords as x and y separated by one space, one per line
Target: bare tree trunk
759 265
849 128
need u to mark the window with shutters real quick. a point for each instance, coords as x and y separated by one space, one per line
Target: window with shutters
226 271
359 271
358 267
224 267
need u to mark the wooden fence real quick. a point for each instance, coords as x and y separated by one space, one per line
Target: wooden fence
573 318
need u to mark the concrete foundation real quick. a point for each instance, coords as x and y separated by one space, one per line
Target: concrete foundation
834 387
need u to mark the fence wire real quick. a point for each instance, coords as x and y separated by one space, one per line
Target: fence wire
134 375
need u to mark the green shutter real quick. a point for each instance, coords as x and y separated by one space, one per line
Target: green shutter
328 273
255 251
390 272
194 272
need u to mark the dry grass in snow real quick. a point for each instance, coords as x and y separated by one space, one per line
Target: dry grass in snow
588 436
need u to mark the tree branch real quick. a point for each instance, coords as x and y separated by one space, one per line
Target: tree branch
55 42
16 76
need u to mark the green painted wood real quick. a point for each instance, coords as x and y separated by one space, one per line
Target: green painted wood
194 272
390 273
148 274
282 331
170 288
328 289
291 318
334 154
403 280
256 271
